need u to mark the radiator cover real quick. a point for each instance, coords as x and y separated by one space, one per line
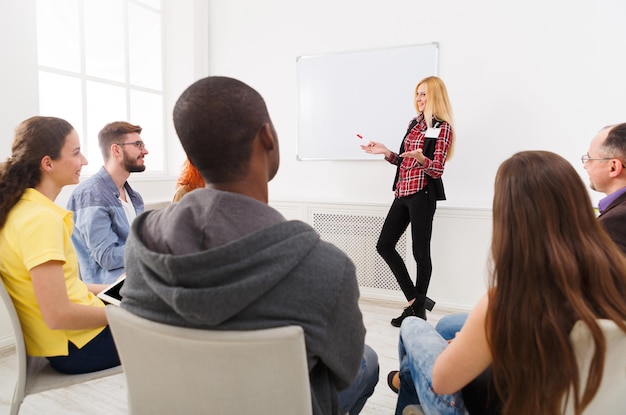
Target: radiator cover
357 235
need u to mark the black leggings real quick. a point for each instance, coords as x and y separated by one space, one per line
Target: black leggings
418 210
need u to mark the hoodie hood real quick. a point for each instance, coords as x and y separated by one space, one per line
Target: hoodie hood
245 269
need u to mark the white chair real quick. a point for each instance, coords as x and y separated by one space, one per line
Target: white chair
34 374
610 396
172 369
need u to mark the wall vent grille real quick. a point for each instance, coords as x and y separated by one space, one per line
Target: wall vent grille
357 235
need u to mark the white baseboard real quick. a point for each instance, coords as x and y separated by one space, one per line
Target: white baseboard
393 296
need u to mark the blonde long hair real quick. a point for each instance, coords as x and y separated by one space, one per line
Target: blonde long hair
437 105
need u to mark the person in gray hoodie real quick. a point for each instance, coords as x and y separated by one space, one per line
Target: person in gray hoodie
223 259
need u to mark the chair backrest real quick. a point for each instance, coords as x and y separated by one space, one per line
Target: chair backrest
20 347
173 369
610 397
34 374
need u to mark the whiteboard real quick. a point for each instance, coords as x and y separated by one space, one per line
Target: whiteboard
370 93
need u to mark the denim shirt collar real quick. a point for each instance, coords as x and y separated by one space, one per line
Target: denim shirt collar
110 185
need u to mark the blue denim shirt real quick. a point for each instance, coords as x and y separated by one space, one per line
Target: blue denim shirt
101 227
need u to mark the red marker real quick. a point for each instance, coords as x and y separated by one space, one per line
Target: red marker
368 143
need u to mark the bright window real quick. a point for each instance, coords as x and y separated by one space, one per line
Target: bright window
101 61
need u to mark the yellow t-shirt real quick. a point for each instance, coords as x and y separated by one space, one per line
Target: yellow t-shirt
37 231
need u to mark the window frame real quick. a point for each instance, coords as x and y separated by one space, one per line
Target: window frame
157 141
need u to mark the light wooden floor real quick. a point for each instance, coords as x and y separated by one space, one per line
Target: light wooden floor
108 396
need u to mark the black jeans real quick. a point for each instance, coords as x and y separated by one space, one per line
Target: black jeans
418 210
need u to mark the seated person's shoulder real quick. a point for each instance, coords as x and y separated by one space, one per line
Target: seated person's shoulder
88 194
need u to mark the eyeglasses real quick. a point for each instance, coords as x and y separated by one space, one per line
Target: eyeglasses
139 144
585 158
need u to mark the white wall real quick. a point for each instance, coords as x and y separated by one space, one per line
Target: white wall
521 75
19 92
18 80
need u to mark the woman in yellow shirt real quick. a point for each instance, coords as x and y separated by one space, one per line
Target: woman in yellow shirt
61 317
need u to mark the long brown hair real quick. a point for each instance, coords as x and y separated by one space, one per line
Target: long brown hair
35 138
553 264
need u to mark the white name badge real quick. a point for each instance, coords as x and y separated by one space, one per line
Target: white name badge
432 133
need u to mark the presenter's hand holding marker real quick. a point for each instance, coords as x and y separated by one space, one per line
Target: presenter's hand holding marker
373 147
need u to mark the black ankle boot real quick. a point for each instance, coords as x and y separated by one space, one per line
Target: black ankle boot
420 305
429 304
419 312
408 311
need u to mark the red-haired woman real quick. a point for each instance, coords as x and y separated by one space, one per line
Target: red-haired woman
190 179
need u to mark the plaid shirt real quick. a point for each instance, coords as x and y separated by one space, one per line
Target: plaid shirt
413 175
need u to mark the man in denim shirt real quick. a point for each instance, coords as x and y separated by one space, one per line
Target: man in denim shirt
104 205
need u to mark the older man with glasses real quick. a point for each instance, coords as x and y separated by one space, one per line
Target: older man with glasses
604 163
105 205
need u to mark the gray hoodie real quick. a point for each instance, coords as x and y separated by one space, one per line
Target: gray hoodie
223 261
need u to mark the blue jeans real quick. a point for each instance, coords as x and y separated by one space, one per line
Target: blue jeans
352 399
450 325
479 395
418 348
